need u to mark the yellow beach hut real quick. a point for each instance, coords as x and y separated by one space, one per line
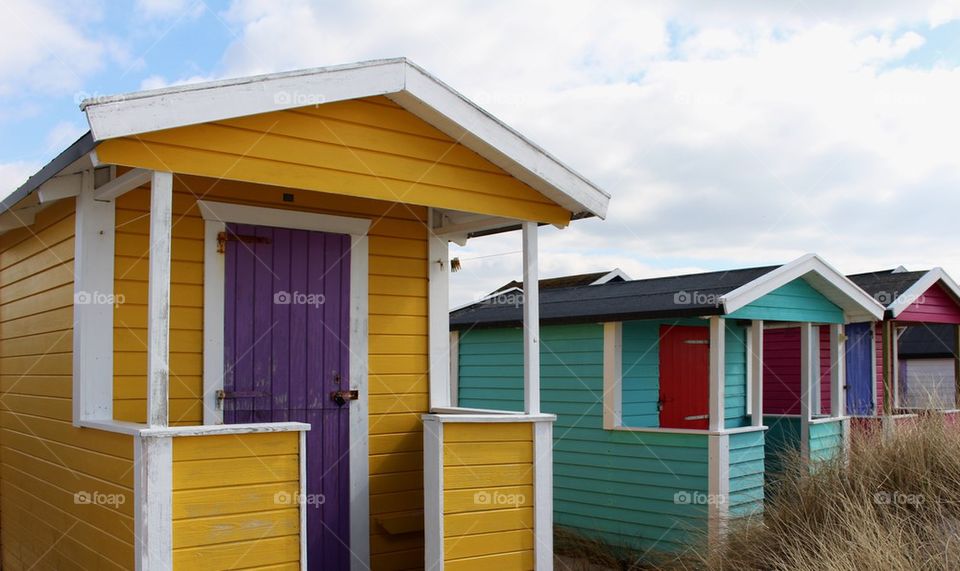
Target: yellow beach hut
224 334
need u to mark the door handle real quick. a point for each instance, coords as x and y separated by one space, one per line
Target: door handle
222 395
341 397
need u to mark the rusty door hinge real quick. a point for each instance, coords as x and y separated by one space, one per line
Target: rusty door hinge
224 237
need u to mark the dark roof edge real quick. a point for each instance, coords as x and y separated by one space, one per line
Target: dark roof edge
627 316
79 148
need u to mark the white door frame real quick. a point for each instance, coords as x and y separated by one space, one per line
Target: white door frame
216 215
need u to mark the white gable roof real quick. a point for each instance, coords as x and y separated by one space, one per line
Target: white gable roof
398 79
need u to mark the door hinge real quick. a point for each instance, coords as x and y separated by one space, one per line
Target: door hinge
224 237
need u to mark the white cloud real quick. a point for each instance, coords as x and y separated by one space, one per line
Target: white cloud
740 135
62 135
167 9
43 48
14 174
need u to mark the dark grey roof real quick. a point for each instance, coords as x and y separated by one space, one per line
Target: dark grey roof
886 286
562 281
928 341
79 148
673 296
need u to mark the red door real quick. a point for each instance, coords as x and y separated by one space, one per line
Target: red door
684 376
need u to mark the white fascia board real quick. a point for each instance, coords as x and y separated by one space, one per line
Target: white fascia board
611 275
856 303
152 110
919 287
405 83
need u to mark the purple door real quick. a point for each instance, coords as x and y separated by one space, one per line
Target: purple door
286 353
859 349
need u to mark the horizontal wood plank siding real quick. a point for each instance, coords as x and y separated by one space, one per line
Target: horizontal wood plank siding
235 501
370 148
397 335
747 458
67 493
782 442
934 306
826 440
619 486
488 496
795 301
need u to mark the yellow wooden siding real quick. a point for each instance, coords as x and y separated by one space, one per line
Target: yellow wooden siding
488 496
369 148
234 501
397 339
44 461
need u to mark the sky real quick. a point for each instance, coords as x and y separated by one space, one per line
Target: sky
729 134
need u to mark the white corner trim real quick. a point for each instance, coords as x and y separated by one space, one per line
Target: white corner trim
158 299
213 320
438 301
531 319
857 304
718 343
405 83
719 487
304 505
838 373
488 417
281 218
612 375
700 431
123 184
433 493
454 368
755 358
153 499
809 376
874 377
93 305
222 429
543 495
217 214
118 426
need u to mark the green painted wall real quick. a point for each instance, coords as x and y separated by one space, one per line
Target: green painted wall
795 301
826 440
627 488
747 461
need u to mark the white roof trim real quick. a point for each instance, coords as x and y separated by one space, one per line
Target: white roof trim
857 304
405 83
919 287
611 275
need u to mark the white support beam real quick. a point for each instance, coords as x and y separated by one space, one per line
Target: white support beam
756 369
717 374
433 509
439 310
158 299
531 320
21 218
838 374
543 495
59 187
153 505
809 347
477 223
454 368
123 184
612 375
93 306
718 484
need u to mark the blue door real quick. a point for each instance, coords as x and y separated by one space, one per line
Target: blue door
859 368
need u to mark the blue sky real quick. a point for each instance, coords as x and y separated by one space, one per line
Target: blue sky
728 136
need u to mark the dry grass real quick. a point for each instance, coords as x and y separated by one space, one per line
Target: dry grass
894 506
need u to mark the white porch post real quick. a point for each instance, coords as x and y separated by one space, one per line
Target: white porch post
756 369
158 299
439 309
531 320
809 345
717 376
838 373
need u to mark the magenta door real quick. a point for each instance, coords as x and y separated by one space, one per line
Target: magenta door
286 354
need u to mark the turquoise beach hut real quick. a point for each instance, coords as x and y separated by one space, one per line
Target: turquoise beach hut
657 385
